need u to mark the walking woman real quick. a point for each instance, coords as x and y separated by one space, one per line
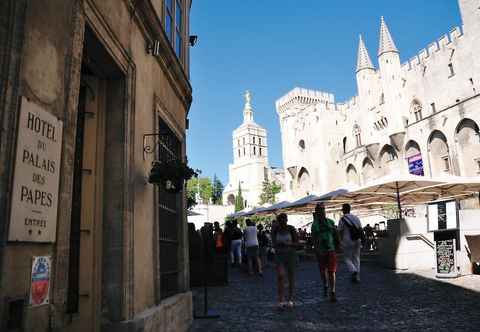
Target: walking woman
325 241
285 241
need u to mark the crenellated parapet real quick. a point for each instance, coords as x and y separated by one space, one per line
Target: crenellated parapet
299 97
443 44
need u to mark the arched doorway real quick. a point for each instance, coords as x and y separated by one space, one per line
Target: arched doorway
304 185
414 158
467 138
388 158
368 170
352 175
440 162
231 199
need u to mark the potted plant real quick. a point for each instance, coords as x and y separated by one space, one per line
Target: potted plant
171 174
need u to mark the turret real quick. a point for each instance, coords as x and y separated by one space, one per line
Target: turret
388 55
390 79
365 71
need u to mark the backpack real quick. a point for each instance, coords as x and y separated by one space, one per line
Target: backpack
236 234
355 232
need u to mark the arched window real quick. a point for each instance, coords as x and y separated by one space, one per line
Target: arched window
254 151
253 139
417 110
259 151
357 134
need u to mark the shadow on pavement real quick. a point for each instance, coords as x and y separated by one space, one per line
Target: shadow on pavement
384 300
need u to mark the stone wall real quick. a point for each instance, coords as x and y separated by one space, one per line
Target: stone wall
43 46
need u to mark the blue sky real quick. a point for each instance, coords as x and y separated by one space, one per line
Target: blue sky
272 46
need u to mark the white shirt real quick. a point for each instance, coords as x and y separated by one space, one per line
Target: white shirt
347 240
251 236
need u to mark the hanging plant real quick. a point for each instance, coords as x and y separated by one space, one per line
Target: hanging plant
170 174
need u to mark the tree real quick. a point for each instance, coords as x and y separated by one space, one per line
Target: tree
217 191
199 189
269 190
239 200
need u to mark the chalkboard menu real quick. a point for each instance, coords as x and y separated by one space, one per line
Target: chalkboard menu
445 250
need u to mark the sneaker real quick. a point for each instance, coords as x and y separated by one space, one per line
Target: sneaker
290 304
281 305
333 297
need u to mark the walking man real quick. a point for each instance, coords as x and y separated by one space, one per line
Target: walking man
325 242
351 233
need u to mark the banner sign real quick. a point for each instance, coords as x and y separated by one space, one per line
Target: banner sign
36 177
415 164
40 282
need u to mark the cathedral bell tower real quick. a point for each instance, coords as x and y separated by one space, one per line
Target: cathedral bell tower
250 159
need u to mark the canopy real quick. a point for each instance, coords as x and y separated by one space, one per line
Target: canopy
388 190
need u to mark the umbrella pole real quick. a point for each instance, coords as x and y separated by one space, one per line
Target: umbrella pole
399 205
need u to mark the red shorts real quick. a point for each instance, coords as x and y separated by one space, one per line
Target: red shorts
327 261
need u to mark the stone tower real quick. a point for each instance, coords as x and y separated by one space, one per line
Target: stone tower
250 159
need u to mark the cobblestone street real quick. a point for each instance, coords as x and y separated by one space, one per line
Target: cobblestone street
384 300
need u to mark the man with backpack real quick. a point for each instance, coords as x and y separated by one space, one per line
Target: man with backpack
351 234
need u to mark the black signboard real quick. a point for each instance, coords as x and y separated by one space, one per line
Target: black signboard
445 251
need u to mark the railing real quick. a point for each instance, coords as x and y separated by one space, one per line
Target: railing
421 237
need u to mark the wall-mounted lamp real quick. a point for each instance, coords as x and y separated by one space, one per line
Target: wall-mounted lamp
193 40
153 48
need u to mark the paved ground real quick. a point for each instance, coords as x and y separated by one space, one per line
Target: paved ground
384 300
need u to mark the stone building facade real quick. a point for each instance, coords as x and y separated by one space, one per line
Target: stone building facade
421 116
250 166
113 77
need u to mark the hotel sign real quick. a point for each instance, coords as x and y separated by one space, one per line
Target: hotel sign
36 177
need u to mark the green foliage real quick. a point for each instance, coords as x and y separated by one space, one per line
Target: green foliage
171 174
239 200
217 190
269 190
201 187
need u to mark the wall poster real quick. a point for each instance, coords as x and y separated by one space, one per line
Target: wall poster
36 179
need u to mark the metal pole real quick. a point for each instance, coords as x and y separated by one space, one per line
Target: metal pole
399 205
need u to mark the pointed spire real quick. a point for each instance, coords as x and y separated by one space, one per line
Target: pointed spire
386 40
247 109
363 60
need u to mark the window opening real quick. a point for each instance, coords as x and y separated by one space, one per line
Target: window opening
169 19
452 71
178 29
446 163
434 109
170 216
417 111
